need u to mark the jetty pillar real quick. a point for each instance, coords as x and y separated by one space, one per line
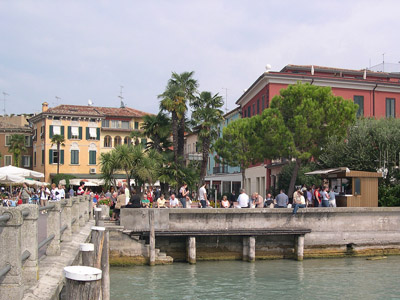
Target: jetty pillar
252 249
299 247
66 219
105 267
191 250
83 282
245 255
53 228
152 242
75 215
82 210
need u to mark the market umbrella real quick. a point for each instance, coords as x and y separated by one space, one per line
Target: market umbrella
6 178
11 170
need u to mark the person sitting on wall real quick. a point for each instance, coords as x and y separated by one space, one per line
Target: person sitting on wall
282 200
243 200
298 201
225 203
269 201
173 202
259 201
120 203
161 202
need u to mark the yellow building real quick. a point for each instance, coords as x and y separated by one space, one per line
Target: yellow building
88 130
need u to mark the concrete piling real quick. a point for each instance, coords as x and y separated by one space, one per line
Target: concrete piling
83 282
191 250
53 227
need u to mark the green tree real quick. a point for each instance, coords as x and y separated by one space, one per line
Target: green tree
311 114
108 167
17 148
180 89
236 147
59 140
157 129
206 117
135 135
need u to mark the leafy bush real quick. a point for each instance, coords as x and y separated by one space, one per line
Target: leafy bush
389 195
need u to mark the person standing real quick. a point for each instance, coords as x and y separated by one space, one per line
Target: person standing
317 197
183 192
332 197
127 193
232 199
203 195
24 194
282 200
44 195
243 199
259 201
308 196
61 192
81 190
325 197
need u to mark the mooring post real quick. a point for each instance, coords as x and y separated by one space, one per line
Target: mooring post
83 283
98 242
66 219
245 256
11 286
87 252
191 250
29 243
299 247
97 217
105 267
152 254
75 215
82 210
54 227
252 249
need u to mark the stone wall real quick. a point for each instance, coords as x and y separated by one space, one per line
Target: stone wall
335 231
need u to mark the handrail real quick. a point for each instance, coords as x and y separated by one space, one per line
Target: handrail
50 206
45 241
4 271
63 228
5 217
25 256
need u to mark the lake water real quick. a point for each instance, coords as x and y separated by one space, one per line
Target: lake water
342 278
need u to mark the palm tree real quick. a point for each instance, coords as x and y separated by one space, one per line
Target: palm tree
136 135
157 129
207 116
17 148
108 166
180 89
59 140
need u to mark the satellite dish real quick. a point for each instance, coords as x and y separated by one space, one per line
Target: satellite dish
268 67
90 102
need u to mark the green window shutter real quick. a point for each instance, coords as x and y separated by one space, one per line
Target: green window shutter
62 131
62 157
136 125
98 134
50 156
80 132
69 132
87 133
51 131
92 157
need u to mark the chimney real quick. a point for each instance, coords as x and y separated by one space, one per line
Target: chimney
45 106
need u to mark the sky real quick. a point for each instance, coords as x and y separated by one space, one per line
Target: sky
67 52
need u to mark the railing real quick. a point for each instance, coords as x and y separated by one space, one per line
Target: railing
220 170
20 251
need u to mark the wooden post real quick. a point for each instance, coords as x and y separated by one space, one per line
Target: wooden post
252 249
152 254
83 283
299 247
87 251
191 250
105 267
98 242
97 214
245 256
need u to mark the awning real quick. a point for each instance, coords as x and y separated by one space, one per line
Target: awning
328 171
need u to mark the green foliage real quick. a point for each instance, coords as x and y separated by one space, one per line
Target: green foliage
286 174
157 128
59 140
389 195
56 179
17 148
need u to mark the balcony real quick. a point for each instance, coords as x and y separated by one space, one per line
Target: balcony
220 170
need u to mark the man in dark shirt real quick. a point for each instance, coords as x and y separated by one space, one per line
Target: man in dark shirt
232 198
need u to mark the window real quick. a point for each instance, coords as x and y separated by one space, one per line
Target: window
26 161
125 124
42 156
56 129
390 108
127 140
92 133
54 157
136 125
258 106
262 102
105 123
34 158
28 141
267 100
117 141
360 101
74 157
107 141
41 132
144 143
115 124
7 160
245 114
254 109
92 157
249 111
357 186
74 132
8 137
189 149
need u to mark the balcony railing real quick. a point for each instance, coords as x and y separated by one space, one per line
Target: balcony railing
220 170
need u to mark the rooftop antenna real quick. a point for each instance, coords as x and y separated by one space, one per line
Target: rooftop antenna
383 62
226 99
4 102
90 102
57 99
122 98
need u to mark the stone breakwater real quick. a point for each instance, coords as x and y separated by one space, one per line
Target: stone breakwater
335 232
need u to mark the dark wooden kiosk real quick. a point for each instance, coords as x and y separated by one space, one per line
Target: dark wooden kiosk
355 188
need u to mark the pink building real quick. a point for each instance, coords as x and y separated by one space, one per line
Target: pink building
376 93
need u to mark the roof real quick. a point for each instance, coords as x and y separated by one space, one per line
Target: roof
5 126
344 172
